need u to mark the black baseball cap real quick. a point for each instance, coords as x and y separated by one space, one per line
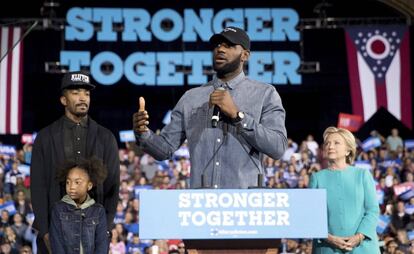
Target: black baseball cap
76 79
234 35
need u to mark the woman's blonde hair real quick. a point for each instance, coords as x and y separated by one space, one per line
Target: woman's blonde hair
349 141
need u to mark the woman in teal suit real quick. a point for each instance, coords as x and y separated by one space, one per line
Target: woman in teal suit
353 208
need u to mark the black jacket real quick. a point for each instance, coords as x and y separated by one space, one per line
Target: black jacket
48 154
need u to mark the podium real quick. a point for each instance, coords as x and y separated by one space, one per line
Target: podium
232 246
231 221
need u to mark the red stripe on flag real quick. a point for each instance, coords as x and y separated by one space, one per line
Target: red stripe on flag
1 55
9 83
381 95
19 125
355 83
406 115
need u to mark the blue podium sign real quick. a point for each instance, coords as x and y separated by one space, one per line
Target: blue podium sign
229 214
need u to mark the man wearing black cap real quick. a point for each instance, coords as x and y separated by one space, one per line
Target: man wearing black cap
74 136
230 122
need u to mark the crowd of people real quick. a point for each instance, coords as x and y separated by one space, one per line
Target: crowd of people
391 165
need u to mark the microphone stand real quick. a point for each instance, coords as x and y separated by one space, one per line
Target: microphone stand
259 183
20 39
204 180
259 176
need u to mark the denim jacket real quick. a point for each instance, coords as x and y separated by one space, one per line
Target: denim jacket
78 229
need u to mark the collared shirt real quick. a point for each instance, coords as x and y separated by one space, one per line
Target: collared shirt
230 155
74 138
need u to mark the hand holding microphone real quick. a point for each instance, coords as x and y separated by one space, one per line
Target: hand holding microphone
215 118
140 119
222 102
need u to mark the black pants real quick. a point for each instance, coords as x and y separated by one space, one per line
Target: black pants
41 246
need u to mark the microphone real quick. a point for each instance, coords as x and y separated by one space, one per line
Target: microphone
204 178
215 118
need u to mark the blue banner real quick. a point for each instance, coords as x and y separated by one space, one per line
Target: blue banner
227 214
409 209
7 150
409 143
24 169
410 235
371 143
188 26
9 206
363 164
380 196
127 136
384 221
407 195
167 117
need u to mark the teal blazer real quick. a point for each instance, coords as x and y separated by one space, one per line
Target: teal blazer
352 208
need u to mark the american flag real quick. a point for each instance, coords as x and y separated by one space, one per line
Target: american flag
11 83
379 70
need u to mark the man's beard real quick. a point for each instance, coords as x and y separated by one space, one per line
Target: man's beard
227 68
81 114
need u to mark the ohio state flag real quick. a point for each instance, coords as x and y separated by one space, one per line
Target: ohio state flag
379 70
